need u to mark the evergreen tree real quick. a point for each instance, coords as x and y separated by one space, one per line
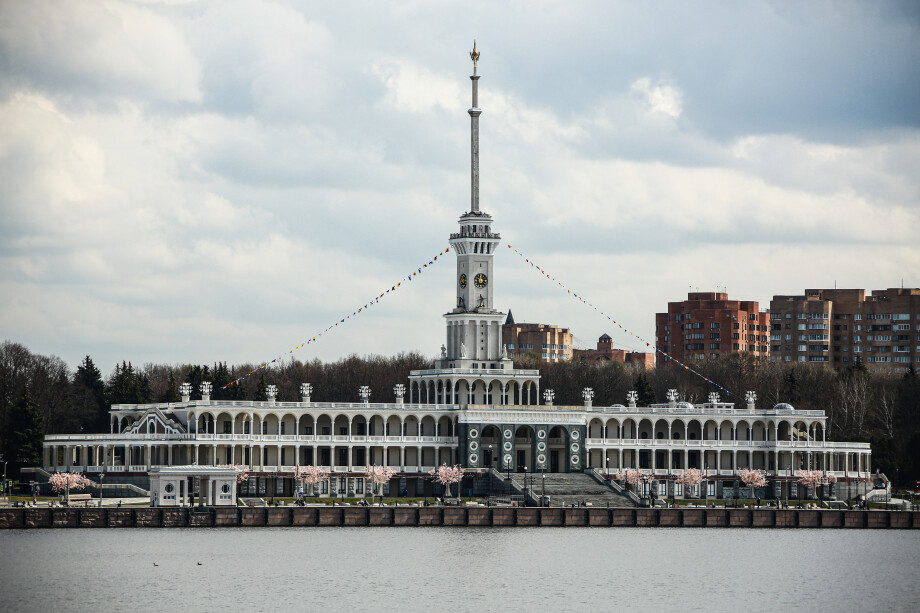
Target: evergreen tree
24 443
172 390
644 388
89 401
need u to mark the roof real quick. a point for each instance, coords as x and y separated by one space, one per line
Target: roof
509 321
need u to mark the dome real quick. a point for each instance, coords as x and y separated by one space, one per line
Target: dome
783 406
684 405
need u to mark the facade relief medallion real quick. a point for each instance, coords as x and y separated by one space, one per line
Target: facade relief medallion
508 433
541 434
474 433
541 446
575 435
473 458
507 445
507 459
474 445
575 447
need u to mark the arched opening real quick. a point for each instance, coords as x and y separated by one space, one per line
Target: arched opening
558 450
523 449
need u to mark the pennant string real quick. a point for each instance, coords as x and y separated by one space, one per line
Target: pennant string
354 313
648 344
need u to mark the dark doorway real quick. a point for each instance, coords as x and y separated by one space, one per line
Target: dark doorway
521 460
488 458
553 461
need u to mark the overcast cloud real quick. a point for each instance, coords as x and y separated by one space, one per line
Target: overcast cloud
201 181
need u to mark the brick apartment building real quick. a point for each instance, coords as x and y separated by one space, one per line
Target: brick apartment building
605 352
551 343
708 325
837 326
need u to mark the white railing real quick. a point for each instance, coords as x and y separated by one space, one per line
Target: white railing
124 436
476 371
726 444
137 468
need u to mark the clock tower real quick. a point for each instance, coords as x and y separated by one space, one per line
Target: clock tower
474 334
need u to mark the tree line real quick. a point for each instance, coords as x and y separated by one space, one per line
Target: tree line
41 395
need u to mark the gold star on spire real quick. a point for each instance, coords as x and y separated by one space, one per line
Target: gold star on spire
474 55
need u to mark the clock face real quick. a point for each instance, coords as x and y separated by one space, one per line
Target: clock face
480 280
463 281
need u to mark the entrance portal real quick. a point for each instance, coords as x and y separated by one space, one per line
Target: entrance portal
554 461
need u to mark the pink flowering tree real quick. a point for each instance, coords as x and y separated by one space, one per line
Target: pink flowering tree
66 482
691 478
378 476
635 478
814 478
753 478
447 475
310 476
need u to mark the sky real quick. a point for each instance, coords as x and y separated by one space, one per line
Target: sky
191 182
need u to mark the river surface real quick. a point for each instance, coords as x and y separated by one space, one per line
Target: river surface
466 569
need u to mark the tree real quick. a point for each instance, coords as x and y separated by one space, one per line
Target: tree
645 391
310 475
172 390
692 477
753 478
26 433
446 475
89 396
379 475
67 482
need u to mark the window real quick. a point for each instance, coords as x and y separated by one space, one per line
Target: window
308 429
678 489
710 488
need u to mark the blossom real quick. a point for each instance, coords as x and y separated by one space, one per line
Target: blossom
310 475
446 475
691 477
633 476
753 478
814 478
67 481
379 474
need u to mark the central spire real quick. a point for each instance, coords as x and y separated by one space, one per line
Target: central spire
474 112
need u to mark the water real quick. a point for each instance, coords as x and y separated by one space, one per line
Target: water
467 569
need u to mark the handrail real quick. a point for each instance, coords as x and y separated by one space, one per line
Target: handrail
594 472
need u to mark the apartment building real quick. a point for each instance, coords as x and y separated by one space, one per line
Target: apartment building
551 343
839 326
707 325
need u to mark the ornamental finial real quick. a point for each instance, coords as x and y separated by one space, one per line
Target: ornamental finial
474 55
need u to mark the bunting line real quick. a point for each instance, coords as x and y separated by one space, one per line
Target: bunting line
623 328
375 300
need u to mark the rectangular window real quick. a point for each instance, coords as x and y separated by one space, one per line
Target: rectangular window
710 488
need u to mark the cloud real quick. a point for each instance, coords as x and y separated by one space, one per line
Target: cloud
92 48
658 97
222 180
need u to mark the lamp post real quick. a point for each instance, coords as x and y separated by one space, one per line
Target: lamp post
4 486
101 477
525 486
543 494
490 475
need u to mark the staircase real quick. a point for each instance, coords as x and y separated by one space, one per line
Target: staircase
112 488
566 489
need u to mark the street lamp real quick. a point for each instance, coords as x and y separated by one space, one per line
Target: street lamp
101 477
525 486
543 495
490 474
